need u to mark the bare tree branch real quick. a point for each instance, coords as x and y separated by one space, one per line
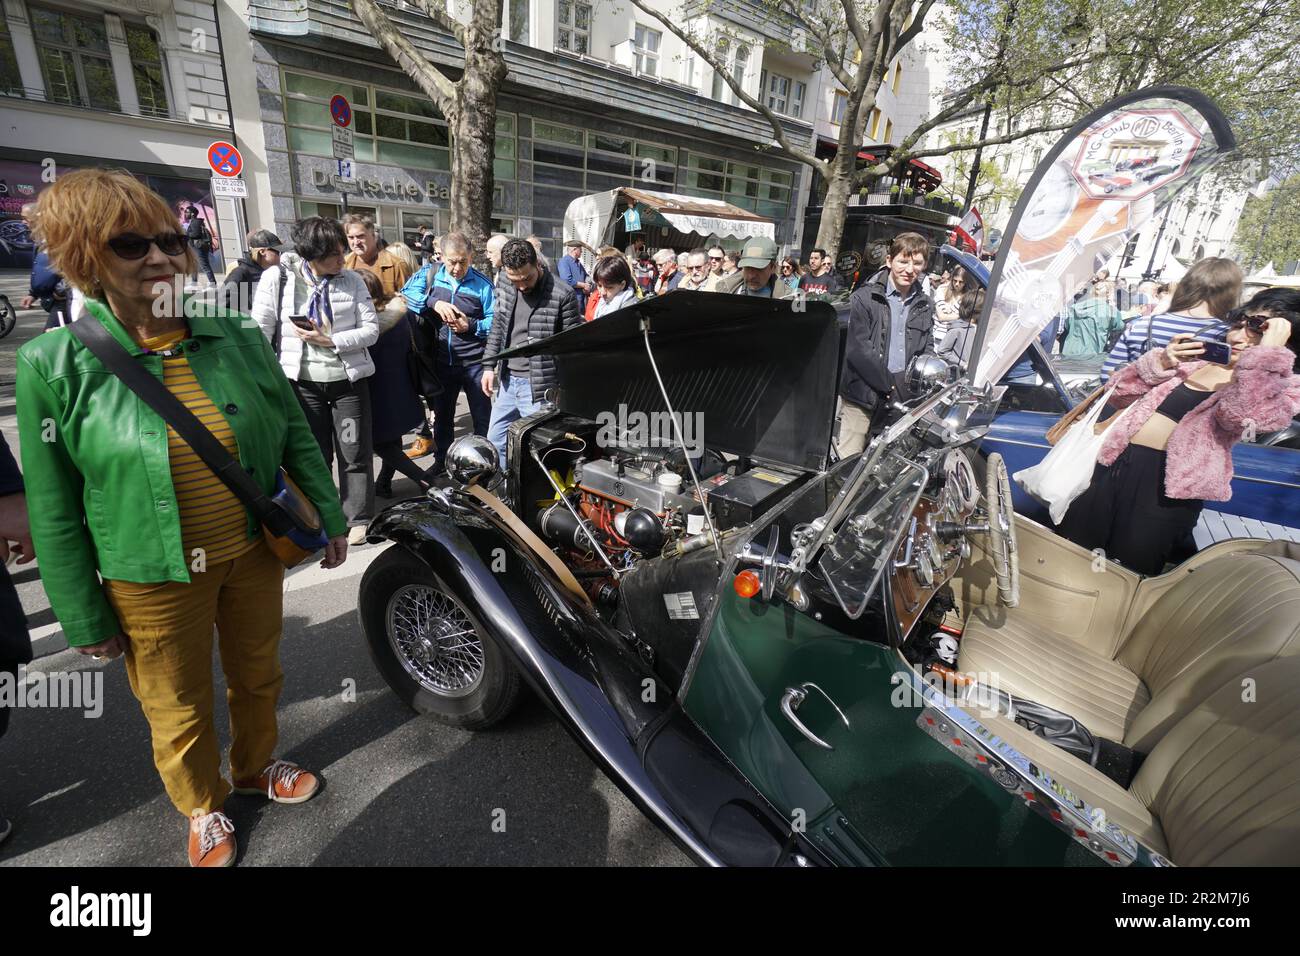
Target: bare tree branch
437 12
436 84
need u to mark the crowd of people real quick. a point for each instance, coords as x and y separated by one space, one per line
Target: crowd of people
336 346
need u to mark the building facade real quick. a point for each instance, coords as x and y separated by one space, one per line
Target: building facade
135 84
595 99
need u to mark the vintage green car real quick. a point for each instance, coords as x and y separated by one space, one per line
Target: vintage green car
785 660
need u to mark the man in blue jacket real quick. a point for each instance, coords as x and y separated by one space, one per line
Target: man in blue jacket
454 303
574 274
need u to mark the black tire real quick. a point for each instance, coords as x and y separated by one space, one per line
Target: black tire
8 317
398 576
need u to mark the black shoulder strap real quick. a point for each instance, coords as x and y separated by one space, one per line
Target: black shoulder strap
155 394
279 309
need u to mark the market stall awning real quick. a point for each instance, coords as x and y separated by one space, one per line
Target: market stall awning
708 217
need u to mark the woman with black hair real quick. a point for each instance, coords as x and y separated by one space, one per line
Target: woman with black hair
614 283
322 322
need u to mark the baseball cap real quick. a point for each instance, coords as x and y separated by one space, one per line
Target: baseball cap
265 239
758 253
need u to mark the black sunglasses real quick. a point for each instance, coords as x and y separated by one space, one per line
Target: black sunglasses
132 246
1252 323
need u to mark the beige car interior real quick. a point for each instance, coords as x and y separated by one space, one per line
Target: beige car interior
1198 669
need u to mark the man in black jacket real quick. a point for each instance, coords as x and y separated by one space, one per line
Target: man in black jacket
196 231
236 292
15 536
533 305
890 322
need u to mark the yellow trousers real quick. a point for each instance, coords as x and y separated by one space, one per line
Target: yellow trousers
168 627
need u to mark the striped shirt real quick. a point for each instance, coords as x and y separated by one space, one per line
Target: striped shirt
212 518
1133 341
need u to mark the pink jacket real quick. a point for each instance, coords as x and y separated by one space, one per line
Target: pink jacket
1199 454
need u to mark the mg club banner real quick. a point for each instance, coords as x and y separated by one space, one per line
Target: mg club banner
1107 177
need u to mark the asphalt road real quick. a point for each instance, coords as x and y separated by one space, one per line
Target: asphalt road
400 789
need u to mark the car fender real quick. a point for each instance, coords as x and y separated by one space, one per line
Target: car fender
595 684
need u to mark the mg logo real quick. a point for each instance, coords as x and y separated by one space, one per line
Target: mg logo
1145 127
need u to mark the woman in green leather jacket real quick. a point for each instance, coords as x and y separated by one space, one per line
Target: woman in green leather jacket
114 493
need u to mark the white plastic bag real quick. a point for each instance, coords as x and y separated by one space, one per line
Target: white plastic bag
1066 471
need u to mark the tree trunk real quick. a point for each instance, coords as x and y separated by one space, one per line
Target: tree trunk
839 187
473 135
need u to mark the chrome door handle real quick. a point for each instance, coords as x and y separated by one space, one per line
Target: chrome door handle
793 697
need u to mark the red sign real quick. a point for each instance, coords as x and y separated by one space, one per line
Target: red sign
340 110
225 159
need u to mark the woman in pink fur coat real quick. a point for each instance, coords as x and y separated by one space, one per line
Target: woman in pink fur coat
1172 449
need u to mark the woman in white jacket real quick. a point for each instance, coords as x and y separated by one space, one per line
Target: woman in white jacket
320 320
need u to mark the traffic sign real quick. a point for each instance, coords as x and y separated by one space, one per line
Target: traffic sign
342 142
226 187
347 173
224 159
340 110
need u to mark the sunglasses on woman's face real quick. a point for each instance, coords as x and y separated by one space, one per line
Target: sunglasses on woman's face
132 246
1252 323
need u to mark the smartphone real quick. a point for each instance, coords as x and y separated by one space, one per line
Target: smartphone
302 322
1216 353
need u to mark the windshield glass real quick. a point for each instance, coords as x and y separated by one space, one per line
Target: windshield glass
856 555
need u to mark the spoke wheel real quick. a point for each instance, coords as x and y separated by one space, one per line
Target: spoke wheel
434 640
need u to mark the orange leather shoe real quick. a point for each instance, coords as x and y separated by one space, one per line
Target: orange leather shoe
212 839
282 782
422 447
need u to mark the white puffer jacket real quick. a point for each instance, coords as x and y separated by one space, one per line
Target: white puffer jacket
355 323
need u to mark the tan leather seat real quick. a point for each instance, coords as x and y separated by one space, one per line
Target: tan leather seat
1218 622
1220 788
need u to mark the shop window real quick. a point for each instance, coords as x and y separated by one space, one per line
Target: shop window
11 81
75 63
573 26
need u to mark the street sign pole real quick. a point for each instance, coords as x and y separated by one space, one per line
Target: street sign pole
341 136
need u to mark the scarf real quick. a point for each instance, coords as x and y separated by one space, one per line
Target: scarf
318 301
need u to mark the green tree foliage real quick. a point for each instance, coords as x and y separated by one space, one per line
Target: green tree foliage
1269 228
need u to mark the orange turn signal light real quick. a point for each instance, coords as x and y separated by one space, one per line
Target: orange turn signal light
746 584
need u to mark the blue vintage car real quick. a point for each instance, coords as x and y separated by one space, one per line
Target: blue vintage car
1265 499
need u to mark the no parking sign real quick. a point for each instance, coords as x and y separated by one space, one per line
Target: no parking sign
340 110
224 159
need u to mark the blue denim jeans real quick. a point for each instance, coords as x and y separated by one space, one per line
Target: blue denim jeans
514 401
455 379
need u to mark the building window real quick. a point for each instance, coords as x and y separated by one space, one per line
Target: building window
723 48
645 47
688 70
74 57
147 68
889 131
796 101
873 124
898 76
738 69
778 92
11 81
519 13
573 26
839 107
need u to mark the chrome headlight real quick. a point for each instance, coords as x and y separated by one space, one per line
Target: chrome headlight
473 460
928 373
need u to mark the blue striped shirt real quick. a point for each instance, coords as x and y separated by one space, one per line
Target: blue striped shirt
1161 328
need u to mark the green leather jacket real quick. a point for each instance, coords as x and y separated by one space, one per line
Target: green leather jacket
99 485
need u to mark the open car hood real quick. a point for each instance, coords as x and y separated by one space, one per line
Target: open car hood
762 376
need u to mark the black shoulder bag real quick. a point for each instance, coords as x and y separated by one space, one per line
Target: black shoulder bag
292 524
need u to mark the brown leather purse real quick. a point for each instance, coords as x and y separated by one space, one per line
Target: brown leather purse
1057 431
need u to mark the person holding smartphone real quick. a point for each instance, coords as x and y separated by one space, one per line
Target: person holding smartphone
1191 401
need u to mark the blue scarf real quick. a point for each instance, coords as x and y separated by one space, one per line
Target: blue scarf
318 302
